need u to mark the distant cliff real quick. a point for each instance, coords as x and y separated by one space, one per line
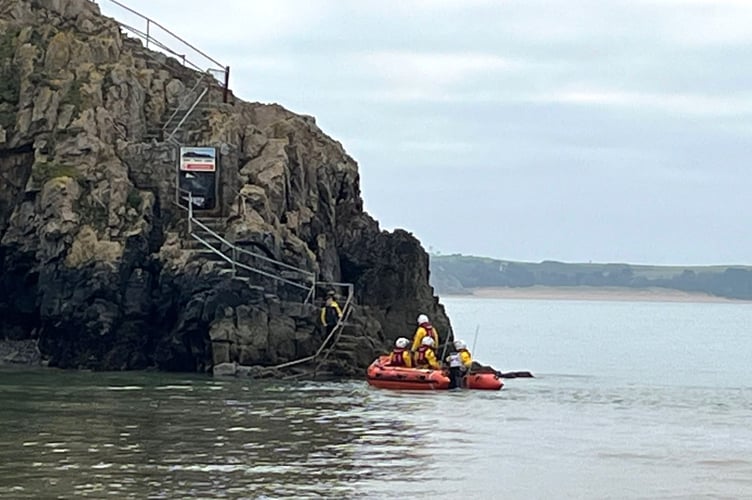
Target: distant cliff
460 273
93 258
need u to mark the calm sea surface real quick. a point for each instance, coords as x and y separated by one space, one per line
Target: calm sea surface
632 400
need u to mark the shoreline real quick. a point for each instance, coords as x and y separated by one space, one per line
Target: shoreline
624 294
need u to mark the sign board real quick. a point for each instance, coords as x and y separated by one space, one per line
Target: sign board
197 173
198 159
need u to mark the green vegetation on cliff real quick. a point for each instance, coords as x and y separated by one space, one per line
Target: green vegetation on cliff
458 273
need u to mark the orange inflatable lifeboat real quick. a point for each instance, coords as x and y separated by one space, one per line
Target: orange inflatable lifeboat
381 374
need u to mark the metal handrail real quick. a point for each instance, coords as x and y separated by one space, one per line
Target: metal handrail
180 107
308 274
150 21
244 266
339 328
347 309
218 67
187 114
233 260
238 249
159 44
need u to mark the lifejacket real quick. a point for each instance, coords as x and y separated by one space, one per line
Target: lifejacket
397 357
330 314
420 356
430 333
455 361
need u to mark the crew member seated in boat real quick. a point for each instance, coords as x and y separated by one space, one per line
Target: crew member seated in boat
330 313
400 356
425 329
425 357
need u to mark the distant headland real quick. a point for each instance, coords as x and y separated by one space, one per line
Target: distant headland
486 277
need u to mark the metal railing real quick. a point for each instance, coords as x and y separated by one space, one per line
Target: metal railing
334 334
308 279
309 282
171 136
219 71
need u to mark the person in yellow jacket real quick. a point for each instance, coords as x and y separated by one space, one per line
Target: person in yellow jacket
425 357
425 329
400 356
330 313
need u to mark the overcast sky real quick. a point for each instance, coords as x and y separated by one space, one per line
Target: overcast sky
579 130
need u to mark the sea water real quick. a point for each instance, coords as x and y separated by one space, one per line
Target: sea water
631 400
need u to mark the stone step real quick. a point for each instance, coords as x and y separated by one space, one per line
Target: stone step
197 115
202 106
348 343
194 244
211 235
247 280
212 222
203 253
214 234
227 271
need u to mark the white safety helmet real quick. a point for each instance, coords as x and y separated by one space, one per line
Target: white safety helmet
427 341
422 319
458 344
401 342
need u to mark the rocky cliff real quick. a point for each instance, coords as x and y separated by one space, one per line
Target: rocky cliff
94 260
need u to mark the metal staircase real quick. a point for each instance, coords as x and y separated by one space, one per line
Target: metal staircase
210 244
187 104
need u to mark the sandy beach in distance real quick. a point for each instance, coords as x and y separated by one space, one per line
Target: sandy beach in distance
593 293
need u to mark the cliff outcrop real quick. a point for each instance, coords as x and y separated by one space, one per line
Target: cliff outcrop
95 259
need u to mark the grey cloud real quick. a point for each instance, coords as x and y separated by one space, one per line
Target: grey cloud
619 130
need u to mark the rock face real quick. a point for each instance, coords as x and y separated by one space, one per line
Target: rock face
94 264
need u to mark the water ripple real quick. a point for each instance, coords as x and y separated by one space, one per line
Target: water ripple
149 437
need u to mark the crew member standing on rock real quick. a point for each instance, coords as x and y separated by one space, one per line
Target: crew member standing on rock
330 313
465 357
425 329
459 362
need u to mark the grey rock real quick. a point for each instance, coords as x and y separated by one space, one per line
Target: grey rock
95 258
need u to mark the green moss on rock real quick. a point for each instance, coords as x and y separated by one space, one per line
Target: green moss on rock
41 172
134 199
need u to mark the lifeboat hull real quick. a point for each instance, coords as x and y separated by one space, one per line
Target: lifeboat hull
384 376
483 381
380 374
